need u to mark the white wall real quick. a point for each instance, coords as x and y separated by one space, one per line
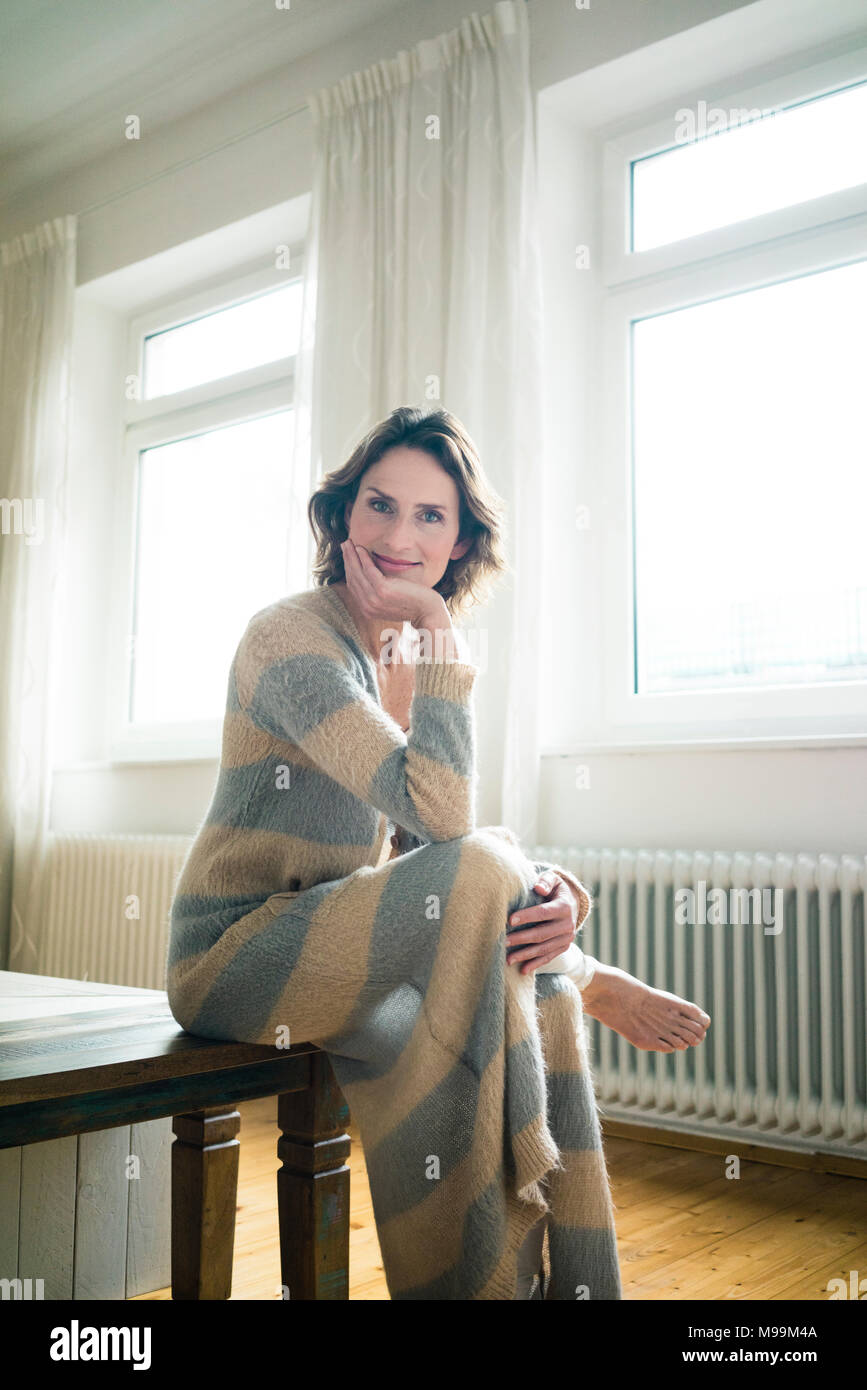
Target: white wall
786 799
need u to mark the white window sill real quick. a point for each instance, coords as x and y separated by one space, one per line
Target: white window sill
138 760
811 742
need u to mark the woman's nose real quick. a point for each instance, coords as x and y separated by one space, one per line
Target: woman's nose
401 538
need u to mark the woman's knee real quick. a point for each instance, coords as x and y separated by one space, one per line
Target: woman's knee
495 855
485 866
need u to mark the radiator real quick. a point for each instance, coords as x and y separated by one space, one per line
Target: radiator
784 1061
108 907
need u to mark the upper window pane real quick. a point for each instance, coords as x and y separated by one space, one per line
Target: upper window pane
750 489
716 177
230 340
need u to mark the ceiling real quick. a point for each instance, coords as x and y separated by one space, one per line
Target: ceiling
68 67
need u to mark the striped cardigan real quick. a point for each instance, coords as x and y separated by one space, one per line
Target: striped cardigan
469 1082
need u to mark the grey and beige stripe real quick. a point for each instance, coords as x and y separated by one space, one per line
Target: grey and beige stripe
469 1081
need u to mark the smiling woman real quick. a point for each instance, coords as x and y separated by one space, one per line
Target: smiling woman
410 505
397 967
413 490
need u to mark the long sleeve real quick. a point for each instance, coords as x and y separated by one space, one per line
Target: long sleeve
298 682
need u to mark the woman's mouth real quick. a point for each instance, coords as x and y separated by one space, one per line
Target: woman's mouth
395 564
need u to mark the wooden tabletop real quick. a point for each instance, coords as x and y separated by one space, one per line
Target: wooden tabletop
38 997
102 1051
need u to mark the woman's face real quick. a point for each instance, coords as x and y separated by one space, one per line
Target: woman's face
407 508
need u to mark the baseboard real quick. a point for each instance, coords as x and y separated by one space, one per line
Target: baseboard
817 1161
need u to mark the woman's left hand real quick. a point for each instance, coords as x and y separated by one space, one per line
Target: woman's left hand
557 918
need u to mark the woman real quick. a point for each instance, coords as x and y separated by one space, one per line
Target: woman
349 732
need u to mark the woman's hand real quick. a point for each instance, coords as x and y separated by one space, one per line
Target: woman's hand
557 917
386 596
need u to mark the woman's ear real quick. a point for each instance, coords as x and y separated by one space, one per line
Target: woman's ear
460 549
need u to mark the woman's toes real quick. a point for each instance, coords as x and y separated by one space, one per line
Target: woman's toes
693 1029
649 1018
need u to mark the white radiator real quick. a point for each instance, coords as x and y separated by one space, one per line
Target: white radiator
108 907
784 1061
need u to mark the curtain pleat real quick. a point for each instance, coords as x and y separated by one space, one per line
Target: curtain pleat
37 288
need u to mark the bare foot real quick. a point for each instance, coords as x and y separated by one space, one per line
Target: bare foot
649 1018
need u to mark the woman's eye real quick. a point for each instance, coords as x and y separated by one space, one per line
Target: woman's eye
379 502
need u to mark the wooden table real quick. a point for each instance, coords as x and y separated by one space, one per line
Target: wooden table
78 1056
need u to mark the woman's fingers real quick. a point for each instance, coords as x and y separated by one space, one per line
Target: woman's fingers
544 950
543 945
546 930
357 576
542 958
526 966
546 914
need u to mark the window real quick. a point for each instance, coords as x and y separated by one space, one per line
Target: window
734 163
735 294
749 570
206 512
212 346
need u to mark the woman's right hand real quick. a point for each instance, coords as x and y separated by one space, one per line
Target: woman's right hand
386 596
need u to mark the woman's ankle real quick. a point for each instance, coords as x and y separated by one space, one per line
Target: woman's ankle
599 985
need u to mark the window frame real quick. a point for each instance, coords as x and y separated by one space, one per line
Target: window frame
768 249
650 136
245 395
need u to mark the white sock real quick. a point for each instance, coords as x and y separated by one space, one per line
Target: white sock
572 962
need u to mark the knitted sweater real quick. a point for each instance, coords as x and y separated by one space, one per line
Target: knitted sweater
304 711
288 914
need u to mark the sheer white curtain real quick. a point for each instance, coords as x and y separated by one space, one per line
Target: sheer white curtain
37 287
422 287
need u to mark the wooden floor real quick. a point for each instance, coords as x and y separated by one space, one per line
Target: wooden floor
685 1231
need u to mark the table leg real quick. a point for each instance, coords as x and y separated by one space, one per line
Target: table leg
204 1200
313 1187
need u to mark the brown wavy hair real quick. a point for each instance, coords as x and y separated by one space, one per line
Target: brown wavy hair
467 580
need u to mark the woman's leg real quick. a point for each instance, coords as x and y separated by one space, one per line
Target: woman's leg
399 973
